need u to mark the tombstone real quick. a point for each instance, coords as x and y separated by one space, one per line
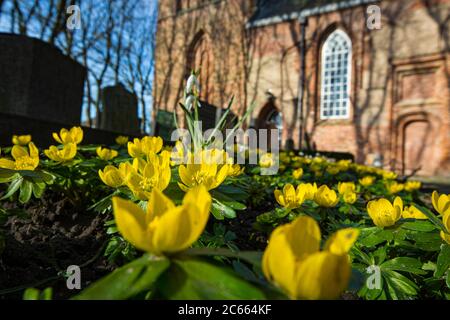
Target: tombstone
209 115
164 124
38 81
120 110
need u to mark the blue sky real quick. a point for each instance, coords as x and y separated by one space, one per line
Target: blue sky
144 18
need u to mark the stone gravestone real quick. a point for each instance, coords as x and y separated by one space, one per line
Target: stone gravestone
38 81
164 124
120 110
210 115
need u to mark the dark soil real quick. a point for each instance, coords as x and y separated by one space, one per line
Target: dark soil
54 235
249 238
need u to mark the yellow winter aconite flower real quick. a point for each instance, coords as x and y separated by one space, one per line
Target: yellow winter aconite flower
266 160
319 160
164 228
344 187
298 173
106 154
74 135
290 198
394 187
349 197
326 197
141 147
343 164
412 212
446 221
235 170
317 168
333 169
122 140
388 175
309 189
67 153
384 213
148 175
367 181
412 185
21 140
285 158
23 159
177 154
115 177
440 202
294 262
208 168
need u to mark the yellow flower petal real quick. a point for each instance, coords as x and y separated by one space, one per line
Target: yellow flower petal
111 176
304 236
171 230
341 241
18 152
7 164
279 262
322 275
158 205
130 220
56 137
279 197
184 175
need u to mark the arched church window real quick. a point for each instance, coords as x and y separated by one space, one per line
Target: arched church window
336 76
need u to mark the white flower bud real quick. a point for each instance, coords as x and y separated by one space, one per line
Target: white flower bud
189 102
192 84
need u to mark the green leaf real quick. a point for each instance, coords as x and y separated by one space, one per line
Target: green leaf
7 175
37 176
26 190
31 294
380 255
429 266
36 294
427 241
443 261
234 192
362 256
103 205
433 218
429 246
221 211
400 287
404 264
131 279
47 294
193 279
273 216
252 257
13 187
38 189
245 272
226 200
424 226
377 237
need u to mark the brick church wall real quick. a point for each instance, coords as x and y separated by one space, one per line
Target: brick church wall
400 78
